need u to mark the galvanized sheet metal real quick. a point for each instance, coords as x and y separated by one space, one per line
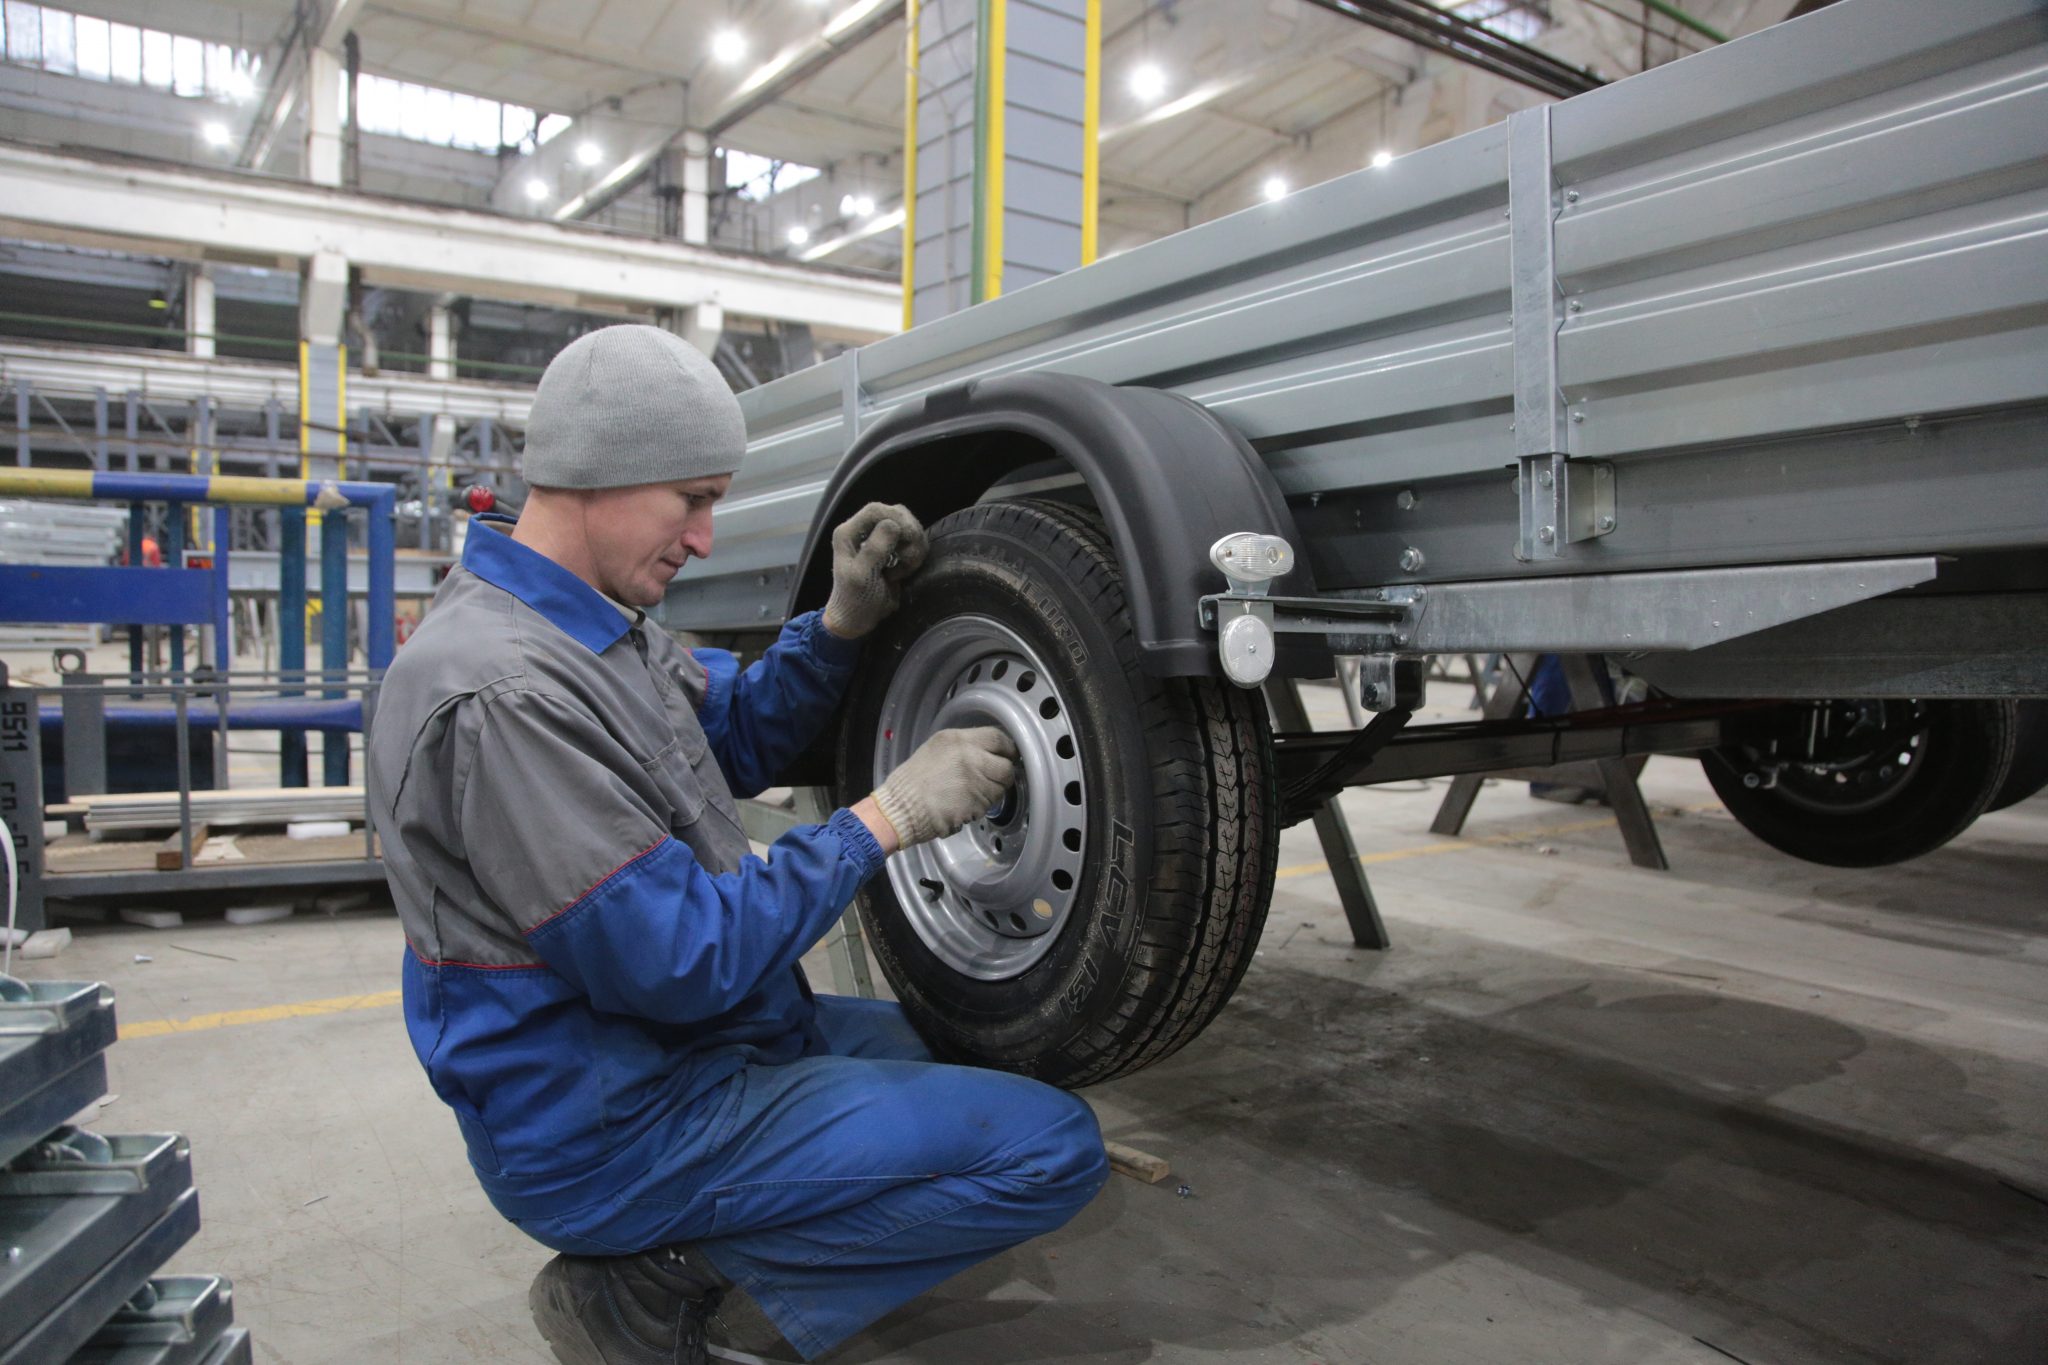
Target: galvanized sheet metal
1839 222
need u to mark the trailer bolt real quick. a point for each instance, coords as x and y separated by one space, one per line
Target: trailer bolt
1544 479
1411 560
1752 781
1546 534
1578 415
1571 196
1576 306
1405 499
13 1254
1372 696
1607 523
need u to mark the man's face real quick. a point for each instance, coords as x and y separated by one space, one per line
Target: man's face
640 536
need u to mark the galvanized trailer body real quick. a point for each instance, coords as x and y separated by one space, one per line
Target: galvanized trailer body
1784 303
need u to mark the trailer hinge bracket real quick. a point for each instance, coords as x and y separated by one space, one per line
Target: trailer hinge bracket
1563 502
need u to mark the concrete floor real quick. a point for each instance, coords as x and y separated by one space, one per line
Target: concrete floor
1749 1108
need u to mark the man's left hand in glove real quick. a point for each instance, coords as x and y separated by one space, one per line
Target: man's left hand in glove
874 552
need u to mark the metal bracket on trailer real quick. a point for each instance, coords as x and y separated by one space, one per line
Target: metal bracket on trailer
1563 501
1681 609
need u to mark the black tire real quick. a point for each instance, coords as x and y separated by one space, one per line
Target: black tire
1917 777
1181 838
2029 771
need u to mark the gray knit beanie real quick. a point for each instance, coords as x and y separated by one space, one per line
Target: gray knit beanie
627 405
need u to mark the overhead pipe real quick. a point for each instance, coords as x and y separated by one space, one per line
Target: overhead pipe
1679 16
1472 43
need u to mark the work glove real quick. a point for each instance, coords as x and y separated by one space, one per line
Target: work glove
873 552
953 777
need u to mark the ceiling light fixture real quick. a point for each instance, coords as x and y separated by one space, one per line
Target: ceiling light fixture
799 235
1148 81
216 134
1275 187
536 189
728 46
588 154
1382 158
856 205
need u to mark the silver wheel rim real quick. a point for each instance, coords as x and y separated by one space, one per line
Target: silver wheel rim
989 900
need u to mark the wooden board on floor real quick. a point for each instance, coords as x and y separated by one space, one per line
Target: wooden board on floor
77 853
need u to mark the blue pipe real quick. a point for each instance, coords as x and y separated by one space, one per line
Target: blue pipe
383 546
291 634
223 534
136 513
334 630
174 558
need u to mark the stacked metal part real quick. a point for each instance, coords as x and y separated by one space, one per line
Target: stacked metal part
86 1220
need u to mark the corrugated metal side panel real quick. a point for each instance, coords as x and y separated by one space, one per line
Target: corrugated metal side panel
1335 321
1840 222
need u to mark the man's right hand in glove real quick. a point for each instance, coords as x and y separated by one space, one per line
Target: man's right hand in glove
952 778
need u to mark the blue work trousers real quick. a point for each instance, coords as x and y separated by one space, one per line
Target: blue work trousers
848 1182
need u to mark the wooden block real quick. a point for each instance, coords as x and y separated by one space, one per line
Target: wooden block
1136 1164
170 854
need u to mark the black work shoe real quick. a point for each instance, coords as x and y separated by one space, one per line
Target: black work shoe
647 1309
738 1332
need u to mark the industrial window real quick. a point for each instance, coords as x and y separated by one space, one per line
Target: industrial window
446 118
759 178
68 44
71 44
1518 20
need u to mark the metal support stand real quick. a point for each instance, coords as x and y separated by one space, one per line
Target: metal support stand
1616 777
1510 695
1354 892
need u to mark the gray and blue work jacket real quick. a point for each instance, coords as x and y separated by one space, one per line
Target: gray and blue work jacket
591 944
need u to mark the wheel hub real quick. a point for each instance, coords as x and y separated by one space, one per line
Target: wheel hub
1847 755
990 899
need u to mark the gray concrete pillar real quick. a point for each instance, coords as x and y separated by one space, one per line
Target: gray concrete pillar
323 365
323 117
696 168
440 342
699 324
199 313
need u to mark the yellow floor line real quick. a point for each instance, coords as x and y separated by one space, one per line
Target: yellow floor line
152 1028
1524 836
340 1004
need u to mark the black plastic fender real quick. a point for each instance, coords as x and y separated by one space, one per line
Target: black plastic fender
1169 476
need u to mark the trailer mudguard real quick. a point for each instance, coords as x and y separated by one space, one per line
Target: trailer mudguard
1168 476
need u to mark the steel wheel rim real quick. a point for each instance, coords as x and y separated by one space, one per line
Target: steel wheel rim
1895 754
989 900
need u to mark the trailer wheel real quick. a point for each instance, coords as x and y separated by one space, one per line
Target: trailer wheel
2029 771
1096 920
1867 783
